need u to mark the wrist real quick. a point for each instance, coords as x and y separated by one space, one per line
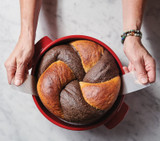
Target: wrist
132 39
27 27
134 26
132 32
132 42
27 33
128 25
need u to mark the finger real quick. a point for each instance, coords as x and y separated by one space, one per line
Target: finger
20 74
125 69
141 72
30 64
10 66
131 67
152 76
26 71
152 71
10 73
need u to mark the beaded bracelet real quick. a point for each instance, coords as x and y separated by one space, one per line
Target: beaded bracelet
132 32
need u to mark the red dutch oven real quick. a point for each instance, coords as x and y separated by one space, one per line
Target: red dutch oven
112 118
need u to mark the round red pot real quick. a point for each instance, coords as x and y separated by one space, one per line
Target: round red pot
112 118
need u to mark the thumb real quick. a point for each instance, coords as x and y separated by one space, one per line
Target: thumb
30 64
141 72
20 74
125 69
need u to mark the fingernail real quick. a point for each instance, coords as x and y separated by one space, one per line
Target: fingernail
18 82
144 80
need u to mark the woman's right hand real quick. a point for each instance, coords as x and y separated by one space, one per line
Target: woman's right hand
19 61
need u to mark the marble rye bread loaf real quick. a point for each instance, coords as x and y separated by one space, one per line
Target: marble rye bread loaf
79 81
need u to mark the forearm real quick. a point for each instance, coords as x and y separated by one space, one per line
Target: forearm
139 58
29 17
132 14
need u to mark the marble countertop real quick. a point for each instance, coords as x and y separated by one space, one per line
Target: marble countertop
20 120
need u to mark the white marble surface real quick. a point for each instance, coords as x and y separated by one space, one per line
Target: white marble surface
20 120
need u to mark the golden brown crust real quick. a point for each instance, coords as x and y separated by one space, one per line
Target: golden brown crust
51 82
89 51
101 95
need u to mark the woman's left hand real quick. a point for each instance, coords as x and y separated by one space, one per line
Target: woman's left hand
139 60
